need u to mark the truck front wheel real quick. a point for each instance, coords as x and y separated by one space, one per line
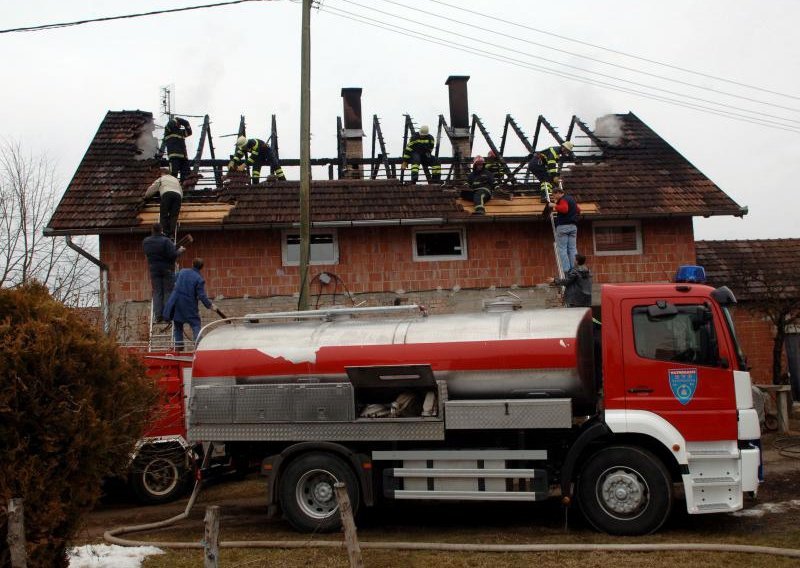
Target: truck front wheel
307 495
159 475
625 490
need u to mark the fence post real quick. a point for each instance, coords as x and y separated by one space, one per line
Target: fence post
349 526
16 533
211 538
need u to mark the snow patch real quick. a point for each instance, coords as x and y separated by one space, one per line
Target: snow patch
294 354
109 556
763 508
562 343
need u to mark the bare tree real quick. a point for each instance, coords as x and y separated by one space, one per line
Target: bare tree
27 199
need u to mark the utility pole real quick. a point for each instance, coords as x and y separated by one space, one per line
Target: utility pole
305 154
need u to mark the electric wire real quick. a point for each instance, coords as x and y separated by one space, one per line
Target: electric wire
582 69
590 58
109 18
525 65
618 52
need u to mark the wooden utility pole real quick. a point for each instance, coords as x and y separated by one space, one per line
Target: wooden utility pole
16 533
211 538
305 155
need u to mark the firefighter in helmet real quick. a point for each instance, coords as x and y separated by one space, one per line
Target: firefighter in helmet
419 150
481 183
176 132
494 164
544 165
258 154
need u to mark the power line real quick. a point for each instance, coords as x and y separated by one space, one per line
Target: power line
594 59
581 69
618 52
109 18
505 59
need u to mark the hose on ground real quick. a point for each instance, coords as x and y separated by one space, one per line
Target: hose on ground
788 446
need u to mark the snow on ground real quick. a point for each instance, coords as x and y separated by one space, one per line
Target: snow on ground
763 508
109 556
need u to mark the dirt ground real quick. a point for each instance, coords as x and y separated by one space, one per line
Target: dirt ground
773 519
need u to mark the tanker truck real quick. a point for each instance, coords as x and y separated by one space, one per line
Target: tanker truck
501 405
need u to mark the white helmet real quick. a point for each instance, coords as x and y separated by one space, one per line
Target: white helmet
568 145
424 130
241 141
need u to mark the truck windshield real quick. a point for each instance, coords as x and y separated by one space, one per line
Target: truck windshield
740 358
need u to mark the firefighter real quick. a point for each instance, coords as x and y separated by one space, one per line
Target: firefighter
175 133
494 165
419 150
258 154
481 183
544 165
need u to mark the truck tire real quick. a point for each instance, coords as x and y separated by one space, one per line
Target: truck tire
307 496
159 475
625 490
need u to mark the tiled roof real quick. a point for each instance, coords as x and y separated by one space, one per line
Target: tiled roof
642 176
748 266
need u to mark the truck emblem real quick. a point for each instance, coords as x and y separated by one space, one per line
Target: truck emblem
683 383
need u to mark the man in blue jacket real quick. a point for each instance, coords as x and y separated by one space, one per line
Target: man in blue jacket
161 255
181 308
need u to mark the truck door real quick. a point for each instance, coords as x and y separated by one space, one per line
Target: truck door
674 367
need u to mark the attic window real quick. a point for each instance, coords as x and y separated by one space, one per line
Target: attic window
324 248
617 237
440 244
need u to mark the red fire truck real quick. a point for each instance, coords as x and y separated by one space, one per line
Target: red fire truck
501 405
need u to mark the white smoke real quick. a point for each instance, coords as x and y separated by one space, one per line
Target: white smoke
146 142
609 129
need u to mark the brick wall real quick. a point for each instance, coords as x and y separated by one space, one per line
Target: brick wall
377 263
755 335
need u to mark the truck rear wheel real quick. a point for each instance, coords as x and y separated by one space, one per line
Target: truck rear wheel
159 475
625 490
306 492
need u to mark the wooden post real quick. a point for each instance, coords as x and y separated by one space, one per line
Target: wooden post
16 533
211 538
349 526
305 155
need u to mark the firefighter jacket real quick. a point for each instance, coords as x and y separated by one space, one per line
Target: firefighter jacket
256 150
163 185
495 166
175 133
190 287
419 144
549 159
481 178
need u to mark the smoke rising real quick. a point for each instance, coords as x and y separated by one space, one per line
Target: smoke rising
146 142
609 129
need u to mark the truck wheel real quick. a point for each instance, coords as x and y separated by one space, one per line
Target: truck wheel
159 475
307 496
624 490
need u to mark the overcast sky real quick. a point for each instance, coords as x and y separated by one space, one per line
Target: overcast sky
245 59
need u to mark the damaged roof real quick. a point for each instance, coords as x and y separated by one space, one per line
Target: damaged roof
753 268
638 176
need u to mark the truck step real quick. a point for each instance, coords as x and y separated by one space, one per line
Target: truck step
716 507
471 495
723 480
712 455
471 473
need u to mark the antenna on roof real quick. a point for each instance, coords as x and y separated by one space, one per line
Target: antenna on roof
167 101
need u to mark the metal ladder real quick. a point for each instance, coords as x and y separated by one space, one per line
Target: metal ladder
552 214
160 335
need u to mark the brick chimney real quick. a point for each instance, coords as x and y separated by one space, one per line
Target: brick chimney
459 122
353 133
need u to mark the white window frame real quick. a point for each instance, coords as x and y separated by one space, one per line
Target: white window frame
631 252
313 262
449 229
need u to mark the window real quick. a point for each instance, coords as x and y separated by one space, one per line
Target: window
684 334
324 248
617 237
440 244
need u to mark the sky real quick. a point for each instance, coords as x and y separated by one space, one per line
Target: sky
244 59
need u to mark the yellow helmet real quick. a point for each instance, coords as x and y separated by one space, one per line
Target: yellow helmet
424 130
568 145
241 141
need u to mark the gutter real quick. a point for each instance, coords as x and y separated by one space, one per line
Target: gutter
103 282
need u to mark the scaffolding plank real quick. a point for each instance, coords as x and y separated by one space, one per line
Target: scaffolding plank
522 205
191 213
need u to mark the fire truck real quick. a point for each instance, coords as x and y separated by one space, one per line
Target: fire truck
501 405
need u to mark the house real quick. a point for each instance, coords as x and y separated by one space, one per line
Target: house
383 241
764 275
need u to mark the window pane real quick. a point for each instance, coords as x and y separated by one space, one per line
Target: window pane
686 337
445 243
615 238
322 249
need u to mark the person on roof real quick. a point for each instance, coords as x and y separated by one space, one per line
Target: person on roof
544 165
419 150
181 307
494 164
481 183
258 154
176 132
566 221
161 256
577 284
169 188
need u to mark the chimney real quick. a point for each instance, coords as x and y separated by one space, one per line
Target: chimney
353 134
459 122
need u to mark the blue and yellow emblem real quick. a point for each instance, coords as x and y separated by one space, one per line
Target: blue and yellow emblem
683 383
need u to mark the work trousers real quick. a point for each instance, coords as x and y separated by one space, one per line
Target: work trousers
266 157
162 281
177 331
169 210
566 241
179 167
479 196
428 160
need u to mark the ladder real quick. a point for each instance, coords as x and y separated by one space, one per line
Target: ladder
552 214
160 336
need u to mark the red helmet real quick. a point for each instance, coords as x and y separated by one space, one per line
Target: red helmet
491 154
478 160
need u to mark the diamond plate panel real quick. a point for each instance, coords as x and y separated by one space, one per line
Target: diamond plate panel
324 402
263 403
513 413
211 405
332 431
